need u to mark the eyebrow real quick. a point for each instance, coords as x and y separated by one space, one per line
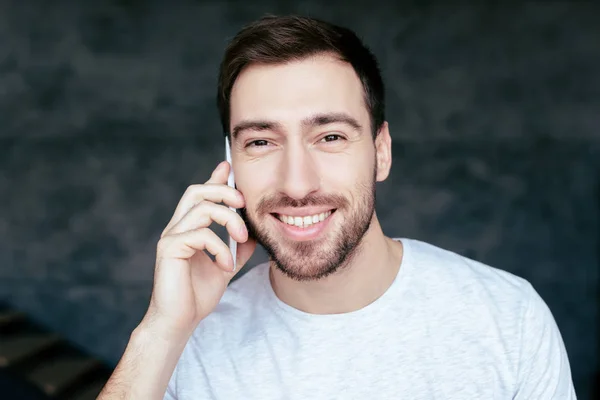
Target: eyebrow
309 122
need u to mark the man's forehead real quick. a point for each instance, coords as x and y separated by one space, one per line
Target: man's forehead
296 90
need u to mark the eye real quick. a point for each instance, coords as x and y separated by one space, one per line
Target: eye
257 143
332 137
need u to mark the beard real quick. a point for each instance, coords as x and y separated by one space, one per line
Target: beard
315 259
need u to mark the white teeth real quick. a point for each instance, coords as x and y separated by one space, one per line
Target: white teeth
304 221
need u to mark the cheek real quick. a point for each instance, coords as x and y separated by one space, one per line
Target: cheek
347 171
253 186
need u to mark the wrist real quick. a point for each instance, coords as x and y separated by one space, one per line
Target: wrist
153 329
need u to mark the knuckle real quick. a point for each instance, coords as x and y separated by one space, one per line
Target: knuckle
203 237
239 220
192 189
203 204
202 209
164 243
165 231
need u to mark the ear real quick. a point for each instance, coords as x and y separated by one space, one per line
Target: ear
383 152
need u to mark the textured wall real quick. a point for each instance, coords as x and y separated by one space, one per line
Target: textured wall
107 114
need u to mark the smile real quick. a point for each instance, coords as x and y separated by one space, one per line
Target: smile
303 221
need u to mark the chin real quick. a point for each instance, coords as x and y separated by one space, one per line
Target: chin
301 273
309 261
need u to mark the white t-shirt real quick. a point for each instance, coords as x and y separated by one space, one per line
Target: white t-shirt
447 328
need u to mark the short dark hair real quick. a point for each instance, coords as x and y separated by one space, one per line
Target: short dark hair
279 39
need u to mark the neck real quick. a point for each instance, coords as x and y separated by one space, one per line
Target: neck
368 274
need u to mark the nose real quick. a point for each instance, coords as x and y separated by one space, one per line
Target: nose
299 175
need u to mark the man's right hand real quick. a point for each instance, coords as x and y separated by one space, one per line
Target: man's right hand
188 285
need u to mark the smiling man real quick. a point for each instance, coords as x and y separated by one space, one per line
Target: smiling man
341 311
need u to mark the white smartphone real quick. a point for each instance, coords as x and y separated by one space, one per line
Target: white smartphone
231 183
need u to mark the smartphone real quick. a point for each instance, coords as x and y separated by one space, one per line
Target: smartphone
231 183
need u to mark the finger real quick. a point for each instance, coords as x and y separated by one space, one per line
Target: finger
184 245
205 213
195 194
245 251
218 176
220 173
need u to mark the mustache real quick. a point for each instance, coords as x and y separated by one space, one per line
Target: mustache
282 200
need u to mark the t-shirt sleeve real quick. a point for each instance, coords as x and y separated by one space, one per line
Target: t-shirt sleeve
544 371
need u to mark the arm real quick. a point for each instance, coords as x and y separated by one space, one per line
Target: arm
146 366
544 371
188 285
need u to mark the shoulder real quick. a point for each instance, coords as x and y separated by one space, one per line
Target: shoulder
466 283
497 313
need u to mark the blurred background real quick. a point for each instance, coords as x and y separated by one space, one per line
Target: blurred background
107 114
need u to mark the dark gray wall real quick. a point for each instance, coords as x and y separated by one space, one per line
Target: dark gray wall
107 114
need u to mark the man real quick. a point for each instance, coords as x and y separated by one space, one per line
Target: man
341 311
